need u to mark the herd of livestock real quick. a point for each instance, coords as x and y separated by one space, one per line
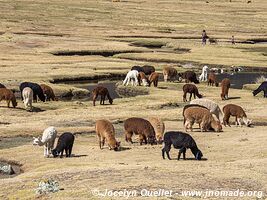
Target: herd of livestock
204 112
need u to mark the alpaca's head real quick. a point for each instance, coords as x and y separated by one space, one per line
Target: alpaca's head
215 124
198 155
36 141
248 122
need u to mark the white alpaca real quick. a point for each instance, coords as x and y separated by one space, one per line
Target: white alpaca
212 106
131 76
47 140
204 74
27 95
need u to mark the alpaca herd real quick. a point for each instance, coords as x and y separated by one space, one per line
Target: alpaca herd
151 130
202 111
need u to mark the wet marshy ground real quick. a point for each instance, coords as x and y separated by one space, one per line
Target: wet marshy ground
242 78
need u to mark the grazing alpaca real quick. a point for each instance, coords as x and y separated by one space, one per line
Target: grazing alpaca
262 87
189 76
169 73
47 140
48 92
237 112
137 68
153 78
225 84
65 142
140 127
142 77
2 86
203 117
192 89
148 69
159 128
204 74
27 95
131 76
103 92
181 141
106 132
37 90
212 106
212 79
8 95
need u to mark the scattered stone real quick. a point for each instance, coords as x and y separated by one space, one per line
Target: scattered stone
47 186
6 169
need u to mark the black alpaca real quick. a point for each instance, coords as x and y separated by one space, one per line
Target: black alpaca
37 90
2 86
181 141
65 142
262 87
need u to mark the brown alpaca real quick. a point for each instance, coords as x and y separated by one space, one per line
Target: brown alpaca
237 112
225 84
201 116
142 78
48 92
192 89
159 128
106 132
8 95
103 92
153 78
169 73
212 79
140 127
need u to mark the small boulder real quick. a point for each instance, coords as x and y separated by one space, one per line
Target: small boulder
6 168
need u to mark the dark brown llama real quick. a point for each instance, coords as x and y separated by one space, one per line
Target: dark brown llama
192 89
103 92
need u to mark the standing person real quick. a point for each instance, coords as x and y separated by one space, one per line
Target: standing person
204 37
233 39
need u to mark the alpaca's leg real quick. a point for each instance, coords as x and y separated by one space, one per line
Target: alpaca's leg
165 77
94 98
239 121
184 97
190 97
180 152
44 151
104 98
128 137
99 140
8 103
103 141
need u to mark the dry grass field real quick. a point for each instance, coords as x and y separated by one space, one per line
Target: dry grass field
49 41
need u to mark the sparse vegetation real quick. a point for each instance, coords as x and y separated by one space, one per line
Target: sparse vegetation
105 39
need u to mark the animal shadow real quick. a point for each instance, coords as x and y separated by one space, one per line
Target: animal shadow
234 98
78 156
124 148
35 109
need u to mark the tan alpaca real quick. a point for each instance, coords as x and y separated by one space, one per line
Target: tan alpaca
159 128
201 116
169 73
106 132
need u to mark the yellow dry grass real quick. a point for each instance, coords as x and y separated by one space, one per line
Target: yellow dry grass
30 31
